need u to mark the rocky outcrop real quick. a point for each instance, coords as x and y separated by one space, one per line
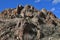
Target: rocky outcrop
27 23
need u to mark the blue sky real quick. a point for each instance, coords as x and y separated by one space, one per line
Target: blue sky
52 5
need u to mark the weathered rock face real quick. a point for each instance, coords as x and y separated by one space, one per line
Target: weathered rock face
27 23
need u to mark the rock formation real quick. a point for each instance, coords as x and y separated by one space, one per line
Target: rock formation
27 23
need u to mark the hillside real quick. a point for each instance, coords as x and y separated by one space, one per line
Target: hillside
27 23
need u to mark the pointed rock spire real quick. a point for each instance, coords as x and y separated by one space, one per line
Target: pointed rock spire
44 11
19 8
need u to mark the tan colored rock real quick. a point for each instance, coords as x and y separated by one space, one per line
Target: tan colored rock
44 11
14 12
38 34
27 7
51 15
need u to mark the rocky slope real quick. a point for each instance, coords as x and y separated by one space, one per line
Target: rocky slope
27 23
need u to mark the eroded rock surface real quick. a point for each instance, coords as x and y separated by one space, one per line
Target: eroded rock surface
27 23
